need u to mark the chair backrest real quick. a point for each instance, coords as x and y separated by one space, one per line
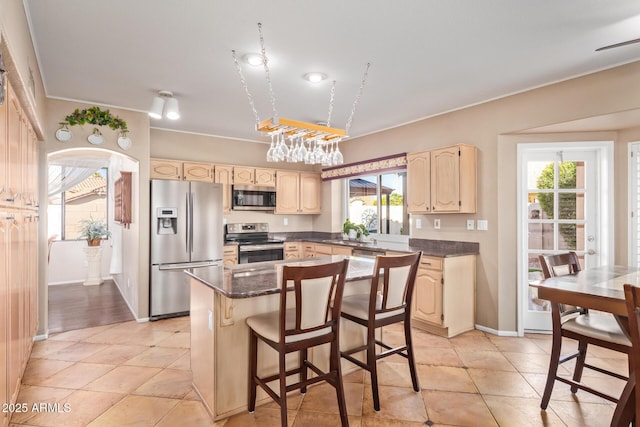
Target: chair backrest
632 298
49 244
393 282
560 264
317 294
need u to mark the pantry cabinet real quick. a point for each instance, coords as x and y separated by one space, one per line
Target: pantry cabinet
442 180
444 295
18 246
298 192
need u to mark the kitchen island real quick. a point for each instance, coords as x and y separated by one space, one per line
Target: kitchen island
222 297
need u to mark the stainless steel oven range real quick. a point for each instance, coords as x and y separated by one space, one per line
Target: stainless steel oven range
254 244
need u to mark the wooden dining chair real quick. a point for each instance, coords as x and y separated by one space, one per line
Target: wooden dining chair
632 297
316 295
387 302
600 329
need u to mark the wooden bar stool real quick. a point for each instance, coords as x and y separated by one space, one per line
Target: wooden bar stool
577 323
396 276
317 296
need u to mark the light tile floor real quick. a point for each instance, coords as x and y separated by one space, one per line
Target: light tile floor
138 374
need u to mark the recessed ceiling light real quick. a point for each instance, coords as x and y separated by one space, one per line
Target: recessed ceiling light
315 77
253 59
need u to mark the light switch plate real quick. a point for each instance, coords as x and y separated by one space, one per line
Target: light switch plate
285 221
436 224
470 224
483 224
418 223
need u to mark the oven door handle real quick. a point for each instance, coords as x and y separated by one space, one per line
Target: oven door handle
252 248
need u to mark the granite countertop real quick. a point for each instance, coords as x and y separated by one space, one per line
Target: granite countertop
260 278
434 248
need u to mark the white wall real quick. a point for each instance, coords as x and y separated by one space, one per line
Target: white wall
69 263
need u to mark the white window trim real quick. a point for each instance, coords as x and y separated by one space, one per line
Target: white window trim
633 150
604 150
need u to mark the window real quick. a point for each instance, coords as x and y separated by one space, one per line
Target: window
378 202
83 201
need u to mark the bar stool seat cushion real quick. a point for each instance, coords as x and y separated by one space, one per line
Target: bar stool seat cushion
267 325
600 326
358 306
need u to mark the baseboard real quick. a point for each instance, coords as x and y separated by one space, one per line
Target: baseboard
41 337
497 332
142 320
133 313
76 282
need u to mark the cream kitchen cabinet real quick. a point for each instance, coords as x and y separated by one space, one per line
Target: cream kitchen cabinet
292 250
308 250
230 254
254 176
444 295
194 171
223 174
165 169
298 192
18 246
442 180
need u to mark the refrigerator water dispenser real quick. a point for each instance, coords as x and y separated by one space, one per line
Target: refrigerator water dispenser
167 220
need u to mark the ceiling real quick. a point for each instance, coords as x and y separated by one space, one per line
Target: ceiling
427 56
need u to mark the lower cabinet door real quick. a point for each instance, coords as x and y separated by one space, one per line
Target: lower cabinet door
428 296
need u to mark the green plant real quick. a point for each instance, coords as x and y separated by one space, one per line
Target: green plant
95 116
566 201
360 229
92 229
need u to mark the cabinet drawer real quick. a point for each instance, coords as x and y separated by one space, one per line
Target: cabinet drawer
291 246
431 263
323 250
230 250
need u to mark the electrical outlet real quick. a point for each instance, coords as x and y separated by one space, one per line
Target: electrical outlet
470 224
436 224
418 223
483 224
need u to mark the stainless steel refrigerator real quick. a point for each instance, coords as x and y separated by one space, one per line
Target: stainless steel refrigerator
186 231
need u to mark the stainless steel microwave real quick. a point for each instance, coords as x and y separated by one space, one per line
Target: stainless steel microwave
253 198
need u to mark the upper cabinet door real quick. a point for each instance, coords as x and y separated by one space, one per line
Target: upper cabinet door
418 182
287 192
223 174
445 180
202 172
242 175
4 164
310 192
14 150
165 169
265 177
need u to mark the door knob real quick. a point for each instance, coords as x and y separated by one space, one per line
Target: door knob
591 252
591 239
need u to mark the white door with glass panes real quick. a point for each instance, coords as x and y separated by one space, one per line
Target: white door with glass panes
561 209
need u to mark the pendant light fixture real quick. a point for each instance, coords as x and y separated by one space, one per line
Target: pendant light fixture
164 101
296 141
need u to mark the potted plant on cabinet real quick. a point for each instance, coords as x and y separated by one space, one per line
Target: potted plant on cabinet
354 231
94 231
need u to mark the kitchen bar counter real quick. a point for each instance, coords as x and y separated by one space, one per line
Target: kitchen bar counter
260 278
221 300
434 248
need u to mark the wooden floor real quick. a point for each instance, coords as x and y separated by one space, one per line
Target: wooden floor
77 306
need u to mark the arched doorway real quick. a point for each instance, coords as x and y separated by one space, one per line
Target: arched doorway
80 188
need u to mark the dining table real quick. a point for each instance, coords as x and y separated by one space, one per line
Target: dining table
601 289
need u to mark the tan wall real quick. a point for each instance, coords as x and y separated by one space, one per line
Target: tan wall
606 92
135 240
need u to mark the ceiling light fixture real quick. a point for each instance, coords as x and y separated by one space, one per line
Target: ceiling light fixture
253 59
164 101
315 77
296 141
